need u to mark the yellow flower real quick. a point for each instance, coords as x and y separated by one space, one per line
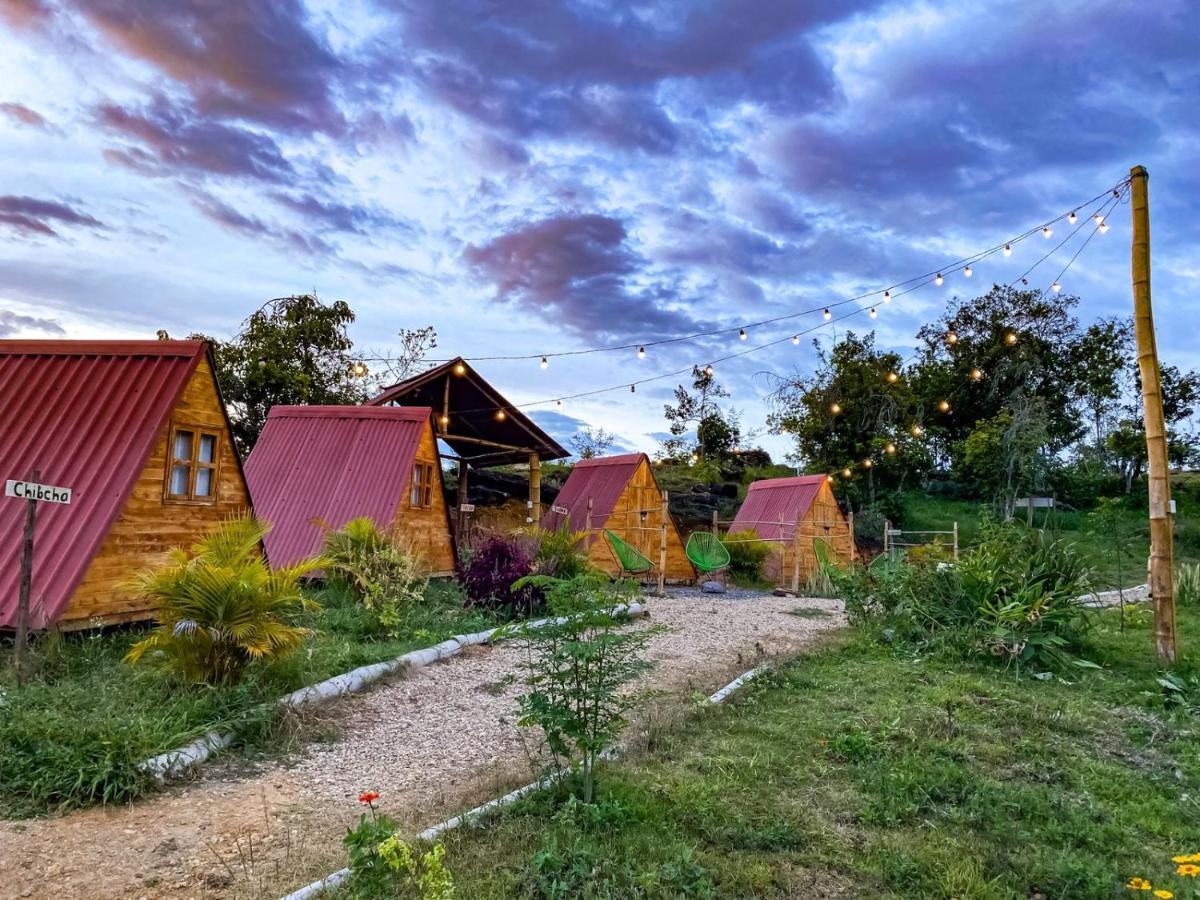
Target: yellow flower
1192 858
1188 869
1138 884
1163 895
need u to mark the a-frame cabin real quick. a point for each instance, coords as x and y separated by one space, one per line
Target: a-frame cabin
621 494
792 514
138 432
330 464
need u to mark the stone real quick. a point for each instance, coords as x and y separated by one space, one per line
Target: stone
713 587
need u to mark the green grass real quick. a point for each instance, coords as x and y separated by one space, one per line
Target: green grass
74 735
863 771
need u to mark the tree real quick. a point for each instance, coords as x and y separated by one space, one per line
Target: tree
1180 397
293 350
874 411
1005 453
717 430
414 347
589 442
1102 358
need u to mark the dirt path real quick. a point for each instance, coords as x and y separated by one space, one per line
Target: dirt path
433 743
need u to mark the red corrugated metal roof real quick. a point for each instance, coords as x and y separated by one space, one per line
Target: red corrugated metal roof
333 463
602 480
86 414
774 501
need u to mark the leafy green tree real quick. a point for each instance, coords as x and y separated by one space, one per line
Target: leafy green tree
1180 398
591 442
1005 454
717 430
1101 361
293 350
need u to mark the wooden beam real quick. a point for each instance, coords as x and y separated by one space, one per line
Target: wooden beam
1162 588
535 488
484 442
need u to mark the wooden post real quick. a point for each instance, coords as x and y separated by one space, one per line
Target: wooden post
795 557
587 522
1162 589
956 540
716 525
463 479
850 522
535 488
887 527
21 649
662 548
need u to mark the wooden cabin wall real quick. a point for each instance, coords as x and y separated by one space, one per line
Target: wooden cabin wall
824 521
148 527
642 493
426 530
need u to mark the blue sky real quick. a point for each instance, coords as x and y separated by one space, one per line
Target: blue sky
536 177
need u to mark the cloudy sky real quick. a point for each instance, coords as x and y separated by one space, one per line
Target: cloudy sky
535 177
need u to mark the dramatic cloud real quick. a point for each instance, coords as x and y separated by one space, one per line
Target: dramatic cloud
170 141
23 115
350 218
238 222
12 323
34 217
578 270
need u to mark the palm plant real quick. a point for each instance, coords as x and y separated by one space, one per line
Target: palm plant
221 607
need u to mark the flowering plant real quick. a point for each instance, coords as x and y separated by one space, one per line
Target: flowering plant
1186 866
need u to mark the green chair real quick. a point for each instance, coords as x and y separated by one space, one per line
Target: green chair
631 560
707 553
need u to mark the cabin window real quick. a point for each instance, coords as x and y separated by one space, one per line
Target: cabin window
422 485
192 465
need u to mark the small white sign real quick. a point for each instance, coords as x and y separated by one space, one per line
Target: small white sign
31 490
466 507
561 510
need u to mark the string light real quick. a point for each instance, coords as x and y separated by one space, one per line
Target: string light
976 374
558 404
633 389
796 339
444 419
693 459
917 431
1072 218
1097 218
938 279
867 464
359 369
835 408
874 314
967 270
1010 338
944 405
951 337
1056 287
1008 249
742 335
460 369
829 478
641 352
1103 228
501 415
545 362
890 449
1046 232
892 377
708 370
827 314
887 296
845 473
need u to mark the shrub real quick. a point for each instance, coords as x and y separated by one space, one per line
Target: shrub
746 555
498 563
386 578
577 668
1187 584
383 865
559 552
220 607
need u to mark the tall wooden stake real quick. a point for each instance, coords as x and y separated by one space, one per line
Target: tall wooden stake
662 546
1162 590
535 489
21 650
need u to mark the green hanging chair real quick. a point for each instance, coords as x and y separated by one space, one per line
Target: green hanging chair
706 552
631 560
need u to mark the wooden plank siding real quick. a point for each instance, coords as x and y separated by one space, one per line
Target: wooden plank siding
824 521
642 493
148 526
426 530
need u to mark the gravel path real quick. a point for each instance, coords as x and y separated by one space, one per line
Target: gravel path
432 744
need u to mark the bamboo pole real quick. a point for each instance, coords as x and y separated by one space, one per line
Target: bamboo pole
1162 593
535 489
662 548
956 540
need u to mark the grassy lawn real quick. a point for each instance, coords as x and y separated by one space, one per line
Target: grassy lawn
863 771
74 736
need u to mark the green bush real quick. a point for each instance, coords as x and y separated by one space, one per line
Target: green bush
560 552
1187 584
747 554
388 580
221 607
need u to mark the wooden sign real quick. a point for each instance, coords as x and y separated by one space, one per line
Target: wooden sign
31 490
561 510
466 507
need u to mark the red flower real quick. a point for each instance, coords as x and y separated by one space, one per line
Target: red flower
368 797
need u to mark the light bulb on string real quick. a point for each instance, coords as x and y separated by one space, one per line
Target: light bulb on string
1008 249
944 406
1072 218
633 389
867 464
708 370
359 369
1025 282
892 377
545 362
460 369
1097 218
835 408
742 335
501 415
829 478
845 473
887 296
1103 228
1010 338
827 314
917 431
558 404
890 449
873 313
1056 287
1046 232
938 279
976 374
796 339
641 352
951 338
444 419
967 270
